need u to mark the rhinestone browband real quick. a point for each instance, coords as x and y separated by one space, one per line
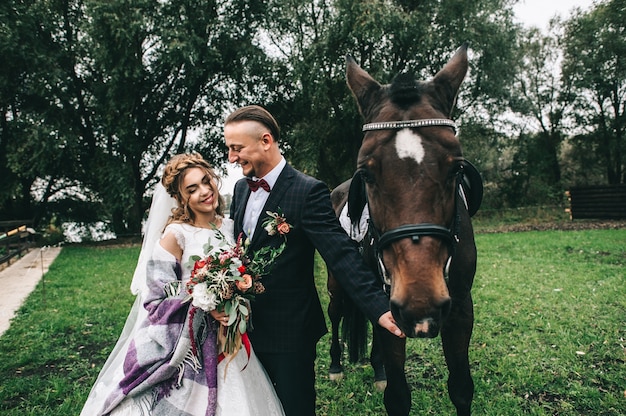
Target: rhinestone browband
428 122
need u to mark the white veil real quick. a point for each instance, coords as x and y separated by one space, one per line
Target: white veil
112 371
160 211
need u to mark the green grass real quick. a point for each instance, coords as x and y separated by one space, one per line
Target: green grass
524 218
61 336
549 337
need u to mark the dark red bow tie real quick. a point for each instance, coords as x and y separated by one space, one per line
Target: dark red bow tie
255 185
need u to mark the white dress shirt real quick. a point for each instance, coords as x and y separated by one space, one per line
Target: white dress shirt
257 199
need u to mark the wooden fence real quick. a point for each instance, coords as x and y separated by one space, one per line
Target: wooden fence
606 202
15 238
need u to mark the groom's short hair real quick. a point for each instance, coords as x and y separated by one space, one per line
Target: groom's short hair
258 114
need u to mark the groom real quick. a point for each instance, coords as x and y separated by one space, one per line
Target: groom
288 319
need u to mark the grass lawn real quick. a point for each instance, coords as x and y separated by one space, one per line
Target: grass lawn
549 336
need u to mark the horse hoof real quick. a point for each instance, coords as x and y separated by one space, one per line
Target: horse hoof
335 377
380 385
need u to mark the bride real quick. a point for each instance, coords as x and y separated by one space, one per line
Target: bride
156 368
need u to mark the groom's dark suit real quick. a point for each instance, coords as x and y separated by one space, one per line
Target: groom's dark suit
288 317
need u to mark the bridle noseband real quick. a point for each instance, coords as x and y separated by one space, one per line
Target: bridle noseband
414 232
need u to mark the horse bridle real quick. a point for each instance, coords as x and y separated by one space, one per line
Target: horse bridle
450 236
396 125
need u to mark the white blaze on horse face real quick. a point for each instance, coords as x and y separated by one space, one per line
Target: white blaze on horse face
409 145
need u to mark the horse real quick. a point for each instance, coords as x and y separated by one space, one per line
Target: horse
420 193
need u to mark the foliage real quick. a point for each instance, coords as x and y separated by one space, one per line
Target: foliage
21 89
594 48
386 38
95 95
112 89
538 346
65 330
539 100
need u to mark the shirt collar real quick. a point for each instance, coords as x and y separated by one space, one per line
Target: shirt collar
273 174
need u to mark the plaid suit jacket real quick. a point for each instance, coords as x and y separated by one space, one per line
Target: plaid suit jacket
289 314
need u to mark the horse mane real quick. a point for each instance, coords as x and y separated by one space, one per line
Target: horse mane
404 90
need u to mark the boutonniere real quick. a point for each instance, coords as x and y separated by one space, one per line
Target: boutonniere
276 223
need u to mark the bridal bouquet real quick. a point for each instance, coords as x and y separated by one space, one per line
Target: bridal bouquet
226 279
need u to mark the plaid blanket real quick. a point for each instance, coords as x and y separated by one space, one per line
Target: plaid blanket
161 375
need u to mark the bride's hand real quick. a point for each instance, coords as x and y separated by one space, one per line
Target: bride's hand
221 317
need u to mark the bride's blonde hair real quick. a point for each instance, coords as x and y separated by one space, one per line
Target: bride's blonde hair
172 181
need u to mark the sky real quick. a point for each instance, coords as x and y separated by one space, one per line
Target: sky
539 12
529 12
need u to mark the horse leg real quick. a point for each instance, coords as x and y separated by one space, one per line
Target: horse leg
397 397
335 311
376 360
455 338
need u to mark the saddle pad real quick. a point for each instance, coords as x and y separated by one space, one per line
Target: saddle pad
357 230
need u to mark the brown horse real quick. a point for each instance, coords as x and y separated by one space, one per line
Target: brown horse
421 194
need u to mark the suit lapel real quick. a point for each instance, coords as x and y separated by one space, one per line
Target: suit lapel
242 193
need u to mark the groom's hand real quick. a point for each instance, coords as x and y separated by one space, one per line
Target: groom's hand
386 321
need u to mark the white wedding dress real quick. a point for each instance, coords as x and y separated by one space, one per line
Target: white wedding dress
243 386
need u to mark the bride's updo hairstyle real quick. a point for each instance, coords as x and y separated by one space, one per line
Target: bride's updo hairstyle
172 181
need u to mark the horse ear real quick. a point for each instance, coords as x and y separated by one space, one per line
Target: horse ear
449 79
362 85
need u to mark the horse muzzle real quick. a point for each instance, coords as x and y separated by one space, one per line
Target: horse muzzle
425 325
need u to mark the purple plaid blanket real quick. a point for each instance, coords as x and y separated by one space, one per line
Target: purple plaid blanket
160 371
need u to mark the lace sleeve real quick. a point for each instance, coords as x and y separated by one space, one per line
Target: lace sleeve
177 231
164 274
161 254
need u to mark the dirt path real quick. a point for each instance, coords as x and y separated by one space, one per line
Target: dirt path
20 278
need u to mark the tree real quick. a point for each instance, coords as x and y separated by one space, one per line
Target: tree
311 39
119 87
540 101
594 64
24 61
99 93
